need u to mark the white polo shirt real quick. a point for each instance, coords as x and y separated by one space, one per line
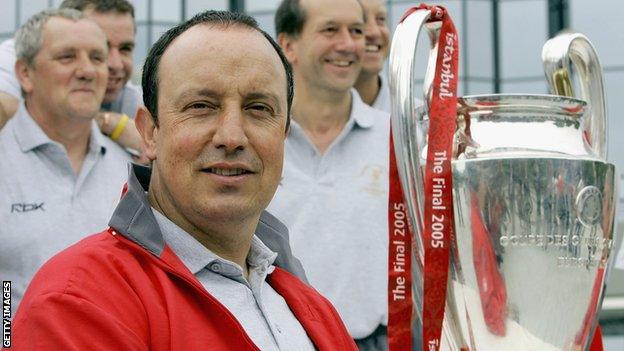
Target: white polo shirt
335 207
45 207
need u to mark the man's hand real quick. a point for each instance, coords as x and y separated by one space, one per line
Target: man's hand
129 137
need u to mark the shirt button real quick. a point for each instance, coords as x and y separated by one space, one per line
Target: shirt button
215 267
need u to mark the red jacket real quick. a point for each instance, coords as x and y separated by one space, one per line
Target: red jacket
109 293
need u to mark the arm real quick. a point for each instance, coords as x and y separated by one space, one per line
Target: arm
8 107
129 137
58 321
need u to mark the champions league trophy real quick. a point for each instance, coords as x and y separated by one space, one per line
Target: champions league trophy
533 200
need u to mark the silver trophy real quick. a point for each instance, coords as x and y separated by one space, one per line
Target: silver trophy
534 200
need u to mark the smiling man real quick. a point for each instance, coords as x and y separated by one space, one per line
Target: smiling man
182 266
61 178
116 19
334 192
371 83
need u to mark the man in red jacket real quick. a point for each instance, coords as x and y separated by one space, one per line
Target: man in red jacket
181 266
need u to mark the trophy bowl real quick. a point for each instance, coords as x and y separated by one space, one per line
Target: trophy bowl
533 201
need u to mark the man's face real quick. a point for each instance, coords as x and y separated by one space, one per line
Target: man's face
222 108
69 74
328 51
119 30
377 36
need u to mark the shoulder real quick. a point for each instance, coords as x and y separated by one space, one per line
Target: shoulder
99 269
80 266
93 288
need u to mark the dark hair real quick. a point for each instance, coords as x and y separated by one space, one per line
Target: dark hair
102 6
221 18
290 18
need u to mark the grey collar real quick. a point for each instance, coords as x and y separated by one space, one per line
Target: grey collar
133 216
134 219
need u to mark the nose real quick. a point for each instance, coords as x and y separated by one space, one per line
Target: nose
347 42
230 135
372 30
114 60
86 68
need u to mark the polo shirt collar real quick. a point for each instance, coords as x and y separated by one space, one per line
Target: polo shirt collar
196 256
359 114
360 111
191 252
135 219
97 141
27 132
30 136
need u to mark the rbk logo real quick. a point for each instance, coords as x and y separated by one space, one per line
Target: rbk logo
19 208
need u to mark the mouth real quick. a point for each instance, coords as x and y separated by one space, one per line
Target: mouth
114 82
372 48
340 63
226 172
84 90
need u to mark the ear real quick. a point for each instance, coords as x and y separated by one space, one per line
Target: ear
24 75
287 43
148 131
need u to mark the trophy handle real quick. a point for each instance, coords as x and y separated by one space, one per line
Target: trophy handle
407 119
557 54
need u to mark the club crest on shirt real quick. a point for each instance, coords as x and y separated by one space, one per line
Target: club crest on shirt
371 178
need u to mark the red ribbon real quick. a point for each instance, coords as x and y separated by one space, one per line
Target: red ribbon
438 212
400 303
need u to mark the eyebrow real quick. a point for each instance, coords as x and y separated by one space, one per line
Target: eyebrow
256 95
330 22
201 93
73 49
122 44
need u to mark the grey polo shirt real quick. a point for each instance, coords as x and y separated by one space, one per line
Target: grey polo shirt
261 311
46 207
335 206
